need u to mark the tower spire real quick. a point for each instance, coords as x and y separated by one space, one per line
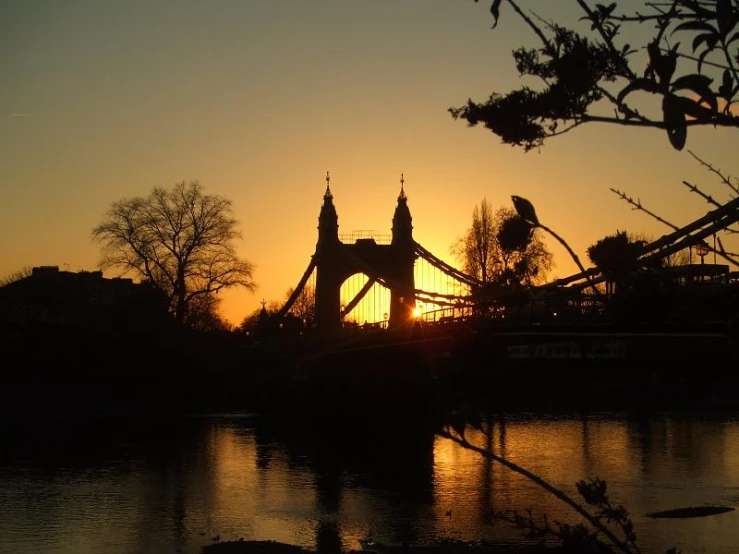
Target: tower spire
402 220
328 221
328 187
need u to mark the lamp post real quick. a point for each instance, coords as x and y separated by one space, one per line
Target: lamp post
701 249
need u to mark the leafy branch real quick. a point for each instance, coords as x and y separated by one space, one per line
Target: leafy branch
580 69
526 211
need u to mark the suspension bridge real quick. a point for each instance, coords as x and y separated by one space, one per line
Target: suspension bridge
373 279
390 280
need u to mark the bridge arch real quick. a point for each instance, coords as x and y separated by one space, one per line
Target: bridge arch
390 264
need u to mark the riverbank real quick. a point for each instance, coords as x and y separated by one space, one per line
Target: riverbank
372 377
443 547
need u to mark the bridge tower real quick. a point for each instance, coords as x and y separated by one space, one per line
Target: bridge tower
403 249
392 264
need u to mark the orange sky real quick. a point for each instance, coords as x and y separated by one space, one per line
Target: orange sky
257 100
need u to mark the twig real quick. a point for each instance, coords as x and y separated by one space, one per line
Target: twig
728 256
726 179
708 198
607 40
637 206
624 547
533 27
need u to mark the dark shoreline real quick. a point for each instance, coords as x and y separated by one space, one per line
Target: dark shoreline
441 547
423 374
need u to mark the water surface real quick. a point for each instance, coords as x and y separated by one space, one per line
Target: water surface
122 486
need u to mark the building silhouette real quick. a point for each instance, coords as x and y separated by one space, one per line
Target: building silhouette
83 299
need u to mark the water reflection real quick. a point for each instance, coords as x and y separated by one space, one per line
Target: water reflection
87 486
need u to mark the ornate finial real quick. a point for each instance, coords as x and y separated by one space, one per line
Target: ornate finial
328 187
263 302
402 183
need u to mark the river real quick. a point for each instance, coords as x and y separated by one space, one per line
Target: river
125 486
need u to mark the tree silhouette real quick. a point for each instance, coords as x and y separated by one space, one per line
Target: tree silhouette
22 273
476 249
304 306
203 314
181 240
526 211
616 255
502 248
691 65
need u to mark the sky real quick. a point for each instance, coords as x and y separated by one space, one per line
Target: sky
259 99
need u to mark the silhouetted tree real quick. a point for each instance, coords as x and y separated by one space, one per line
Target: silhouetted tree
502 248
643 291
616 256
681 257
476 249
261 321
251 321
304 307
203 314
22 273
692 66
180 239
525 258
526 211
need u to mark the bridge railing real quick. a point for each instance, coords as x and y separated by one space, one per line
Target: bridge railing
446 315
354 236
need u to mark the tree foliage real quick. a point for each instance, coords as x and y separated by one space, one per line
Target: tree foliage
476 250
501 247
616 254
259 317
593 71
22 273
180 239
203 314
526 211
304 307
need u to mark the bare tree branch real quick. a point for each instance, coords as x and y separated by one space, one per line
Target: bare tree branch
179 239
